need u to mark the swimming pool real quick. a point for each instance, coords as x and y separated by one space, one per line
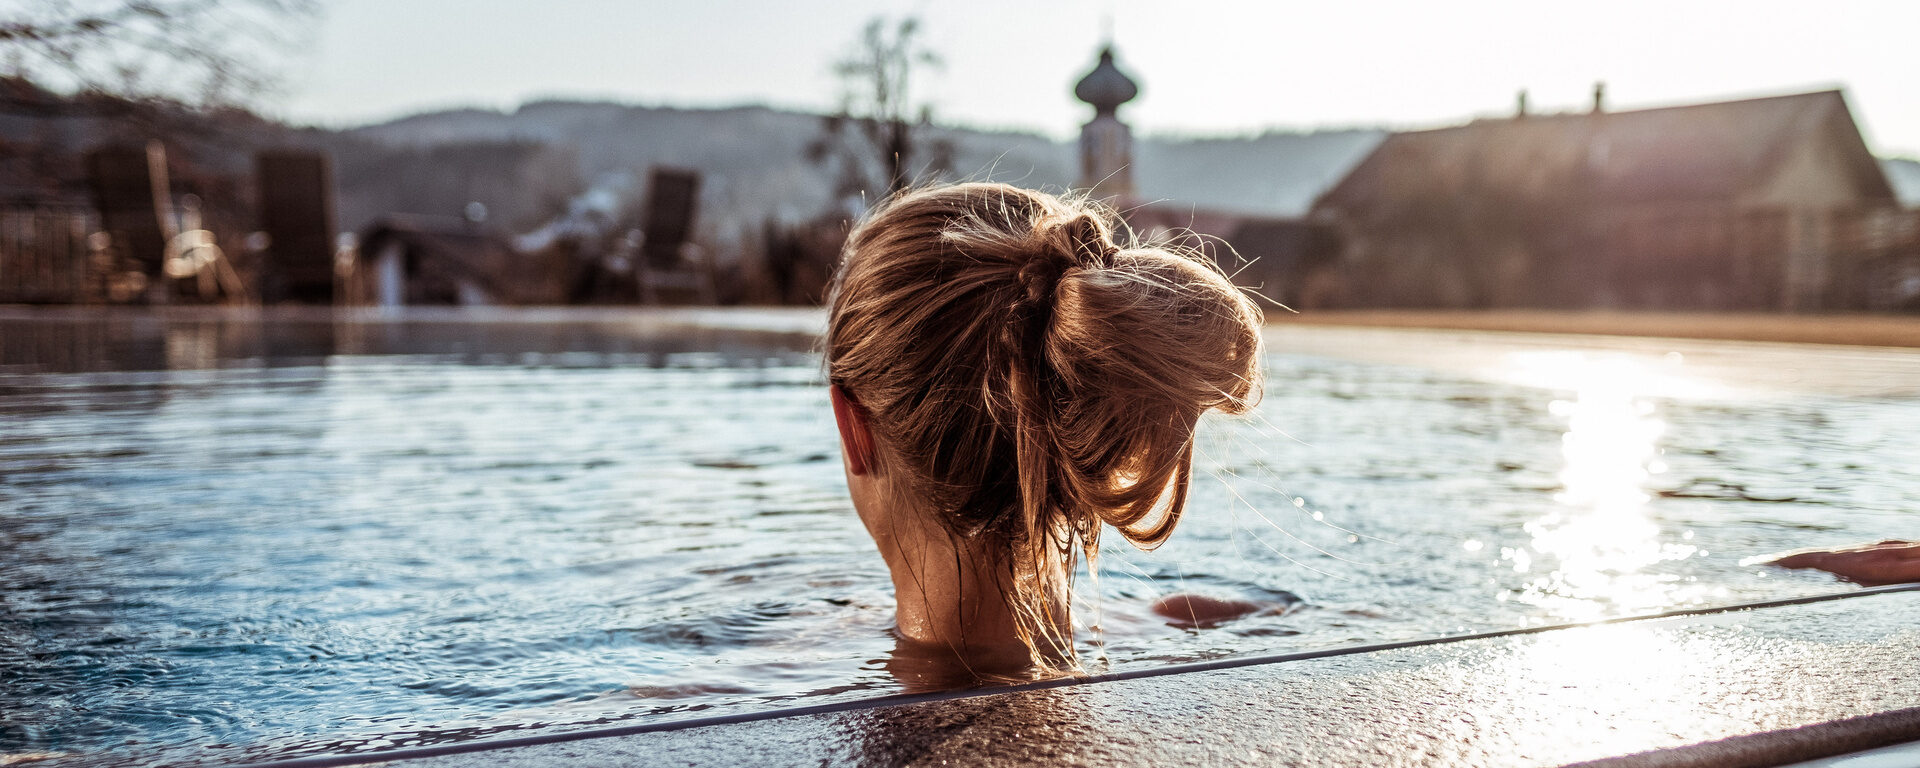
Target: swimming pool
231 538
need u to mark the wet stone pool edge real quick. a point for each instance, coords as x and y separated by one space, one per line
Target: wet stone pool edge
953 719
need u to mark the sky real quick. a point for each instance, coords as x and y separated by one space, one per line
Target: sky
1205 68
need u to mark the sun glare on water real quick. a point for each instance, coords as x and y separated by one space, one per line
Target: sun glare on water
1593 554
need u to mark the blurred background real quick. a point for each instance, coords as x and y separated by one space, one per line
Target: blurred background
1701 156
338 411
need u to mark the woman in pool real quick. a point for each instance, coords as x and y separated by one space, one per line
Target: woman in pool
1009 375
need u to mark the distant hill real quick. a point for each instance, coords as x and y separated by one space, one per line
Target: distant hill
1274 174
753 159
755 165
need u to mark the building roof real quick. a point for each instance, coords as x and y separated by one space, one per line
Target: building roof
1717 152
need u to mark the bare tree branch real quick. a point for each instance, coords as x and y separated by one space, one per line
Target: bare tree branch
200 53
876 78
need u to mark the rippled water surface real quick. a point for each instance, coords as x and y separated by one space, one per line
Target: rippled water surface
227 539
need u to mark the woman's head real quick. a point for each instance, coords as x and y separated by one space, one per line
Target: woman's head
1028 374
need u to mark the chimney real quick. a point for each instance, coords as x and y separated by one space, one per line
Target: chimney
1599 97
1521 109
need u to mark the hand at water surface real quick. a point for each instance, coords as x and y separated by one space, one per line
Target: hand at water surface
1189 611
1887 562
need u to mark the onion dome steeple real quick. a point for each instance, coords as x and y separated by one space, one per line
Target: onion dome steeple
1106 87
1106 144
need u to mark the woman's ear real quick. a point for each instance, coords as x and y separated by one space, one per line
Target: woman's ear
854 437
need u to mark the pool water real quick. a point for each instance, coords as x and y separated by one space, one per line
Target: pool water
225 537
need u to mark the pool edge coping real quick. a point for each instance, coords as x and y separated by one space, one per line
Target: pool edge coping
904 699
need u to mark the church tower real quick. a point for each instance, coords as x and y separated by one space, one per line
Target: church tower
1106 144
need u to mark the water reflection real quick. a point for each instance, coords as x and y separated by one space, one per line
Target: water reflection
1596 548
89 340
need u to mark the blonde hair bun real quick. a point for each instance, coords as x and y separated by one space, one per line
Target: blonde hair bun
1031 371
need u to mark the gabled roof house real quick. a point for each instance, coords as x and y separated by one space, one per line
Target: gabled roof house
1729 205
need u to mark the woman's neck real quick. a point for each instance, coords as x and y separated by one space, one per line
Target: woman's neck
955 593
952 592
946 596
